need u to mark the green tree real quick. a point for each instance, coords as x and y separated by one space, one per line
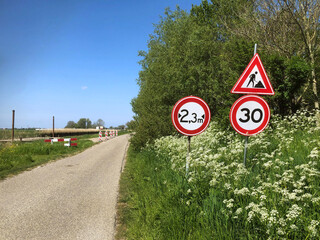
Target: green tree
204 53
285 27
84 123
288 76
99 123
71 124
121 127
186 56
131 125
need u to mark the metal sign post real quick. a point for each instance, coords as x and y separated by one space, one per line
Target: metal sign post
190 116
245 150
247 137
188 155
249 115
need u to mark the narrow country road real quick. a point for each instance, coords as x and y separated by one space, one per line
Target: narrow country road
72 198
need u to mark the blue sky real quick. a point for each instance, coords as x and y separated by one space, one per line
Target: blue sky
73 59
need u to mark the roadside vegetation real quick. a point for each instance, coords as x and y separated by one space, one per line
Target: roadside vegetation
203 53
275 196
20 156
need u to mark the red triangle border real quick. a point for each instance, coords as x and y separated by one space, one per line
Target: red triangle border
255 61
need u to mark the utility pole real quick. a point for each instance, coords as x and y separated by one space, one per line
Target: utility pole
53 126
12 139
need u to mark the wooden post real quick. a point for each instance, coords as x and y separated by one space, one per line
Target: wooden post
53 126
12 139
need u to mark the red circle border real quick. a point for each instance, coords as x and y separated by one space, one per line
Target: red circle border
235 107
176 108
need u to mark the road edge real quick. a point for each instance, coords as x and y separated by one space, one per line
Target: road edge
116 217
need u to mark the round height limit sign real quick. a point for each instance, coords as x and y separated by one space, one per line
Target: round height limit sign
191 116
249 115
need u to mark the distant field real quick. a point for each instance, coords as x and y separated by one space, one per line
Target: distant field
59 132
6 133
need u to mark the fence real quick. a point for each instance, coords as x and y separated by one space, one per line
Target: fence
68 140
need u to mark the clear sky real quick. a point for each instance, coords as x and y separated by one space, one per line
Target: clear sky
73 59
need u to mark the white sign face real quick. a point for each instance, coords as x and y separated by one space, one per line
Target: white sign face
191 116
250 115
254 80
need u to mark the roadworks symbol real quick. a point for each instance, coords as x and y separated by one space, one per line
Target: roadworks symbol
254 80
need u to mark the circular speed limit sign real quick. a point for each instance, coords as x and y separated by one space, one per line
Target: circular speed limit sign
191 116
249 115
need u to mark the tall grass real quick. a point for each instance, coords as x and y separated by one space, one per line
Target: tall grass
276 196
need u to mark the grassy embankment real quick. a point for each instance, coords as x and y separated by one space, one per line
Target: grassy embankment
20 156
276 196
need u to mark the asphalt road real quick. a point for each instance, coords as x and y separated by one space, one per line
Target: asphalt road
72 198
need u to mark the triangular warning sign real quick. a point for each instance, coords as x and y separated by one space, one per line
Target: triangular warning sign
254 79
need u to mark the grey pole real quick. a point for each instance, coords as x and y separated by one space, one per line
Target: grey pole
245 150
247 137
188 153
53 126
12 131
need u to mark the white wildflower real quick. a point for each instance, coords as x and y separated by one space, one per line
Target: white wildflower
250 216
229 203
293 227
268 164
227 186
242 191
293 212
314 153
306 195
213 182
264 214
313 228
263 197
315 200
280 231
238 211
282 222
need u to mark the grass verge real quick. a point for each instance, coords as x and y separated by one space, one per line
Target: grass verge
19 156
152 200
276 196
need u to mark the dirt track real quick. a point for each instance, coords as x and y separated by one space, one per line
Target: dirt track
72 198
